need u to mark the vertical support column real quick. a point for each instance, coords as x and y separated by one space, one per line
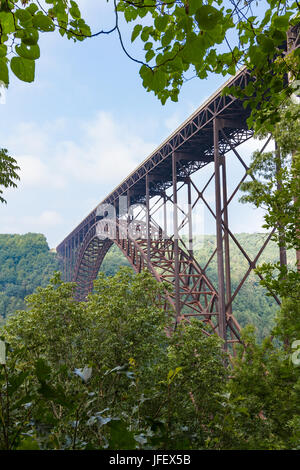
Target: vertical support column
128 205
148 234
115 204
221 286
175 227
123 208
228 311
77 244
165 217
72 258
68 262
226 237
65 264
190 217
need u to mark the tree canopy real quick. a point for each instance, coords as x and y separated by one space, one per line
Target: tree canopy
8 172
104 374
177 38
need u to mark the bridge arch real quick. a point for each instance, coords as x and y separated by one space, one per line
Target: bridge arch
198 297
214 130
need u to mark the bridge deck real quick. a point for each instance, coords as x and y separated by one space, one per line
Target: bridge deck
193 139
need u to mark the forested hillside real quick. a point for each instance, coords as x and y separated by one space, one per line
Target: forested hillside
27 262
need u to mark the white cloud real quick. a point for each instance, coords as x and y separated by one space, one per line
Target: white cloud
35 173
47 219
173 121
102 150
107 152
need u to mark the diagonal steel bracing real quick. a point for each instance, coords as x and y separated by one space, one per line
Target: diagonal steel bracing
216 128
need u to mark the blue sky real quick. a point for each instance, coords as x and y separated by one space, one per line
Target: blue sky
83 125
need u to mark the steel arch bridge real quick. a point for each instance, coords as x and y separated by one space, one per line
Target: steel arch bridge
217 127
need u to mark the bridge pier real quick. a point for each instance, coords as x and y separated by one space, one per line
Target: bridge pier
216 128
219 234
175 232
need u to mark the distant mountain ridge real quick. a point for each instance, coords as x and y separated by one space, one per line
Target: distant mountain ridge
26 262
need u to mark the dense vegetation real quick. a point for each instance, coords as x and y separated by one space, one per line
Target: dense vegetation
178 40
26 263
104 374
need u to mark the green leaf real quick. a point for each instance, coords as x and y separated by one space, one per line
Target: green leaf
147 76
159 80
120 437
23 15
148 46
161 22
24 69
149 55
56 394
281 22
136 31
208 17
267 45
4 71
32 8
145 33
167 37
193 50
28 52
29 36
7 23
194 5
3 50
74 10
28 443
15 382
42 369
130 13
43 23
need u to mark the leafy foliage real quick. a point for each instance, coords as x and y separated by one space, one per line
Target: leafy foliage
264 395
278 190
104 374
201 37
132 387
8 172
25 264
194 36
21 24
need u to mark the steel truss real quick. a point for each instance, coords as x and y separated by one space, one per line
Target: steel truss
217 127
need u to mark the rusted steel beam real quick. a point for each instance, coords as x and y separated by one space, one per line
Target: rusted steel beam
221 281
175 230
217 127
